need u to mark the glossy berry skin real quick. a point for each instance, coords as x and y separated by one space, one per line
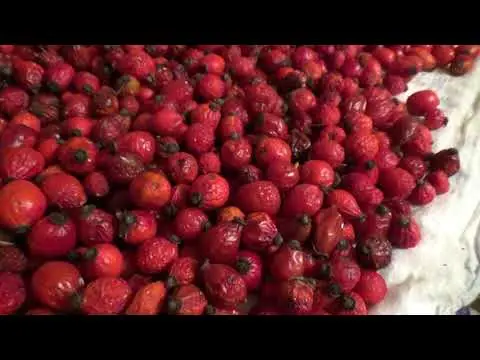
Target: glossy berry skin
224 286
54 283
20 163
12 293
220 244
236 153
423 194
352 304
374 252
209 191
187 300
190 223
296 296
156 255
328 230
96 184
404 233
371 287
258 196
422 102
64 191
439 180
397 183
182 168
302 199
95 226
23 204
105 296
344 272
53 236
148 300
269 150
447 160
102 260
150 190
260 232
283 174
184 270
12 259
287 262
250 266
137 226
317 172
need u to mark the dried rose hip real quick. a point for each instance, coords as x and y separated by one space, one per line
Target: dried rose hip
150 190
210 191
55 283
231 172
258 196
224 286
20 218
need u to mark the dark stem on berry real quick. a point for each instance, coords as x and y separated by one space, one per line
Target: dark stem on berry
87 89
170 211
90 254
196 199
80 156
370 164
206 226
334 290
404 221
124 112
382 210
174 239
22 230
324 271
294 244
57 218
171 282
342 244
305 220
76 300
129 218
210 310
73 256
364 249
348 302
278 239
53 87
239 221
171 148
243 266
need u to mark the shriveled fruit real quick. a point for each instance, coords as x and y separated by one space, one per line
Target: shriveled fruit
54 283
53 236
371 287
258 196
12 293
22 205
224 286
287 262
187 300
148 300
374 252
105 296
220 243
209 191
157 254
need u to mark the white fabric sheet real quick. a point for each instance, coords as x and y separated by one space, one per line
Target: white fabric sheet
441 274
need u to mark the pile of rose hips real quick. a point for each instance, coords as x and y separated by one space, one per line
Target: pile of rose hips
172 179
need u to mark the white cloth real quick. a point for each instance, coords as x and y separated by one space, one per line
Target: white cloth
440 275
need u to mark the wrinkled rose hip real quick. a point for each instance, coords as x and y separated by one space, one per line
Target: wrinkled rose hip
182 179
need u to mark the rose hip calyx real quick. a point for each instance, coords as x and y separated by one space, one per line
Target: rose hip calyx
57 218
